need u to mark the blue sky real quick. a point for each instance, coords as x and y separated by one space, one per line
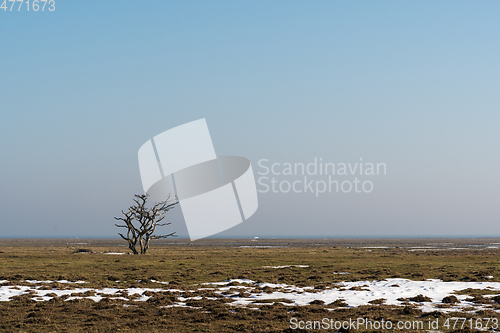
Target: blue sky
414 85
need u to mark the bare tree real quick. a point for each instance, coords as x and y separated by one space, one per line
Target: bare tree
141 222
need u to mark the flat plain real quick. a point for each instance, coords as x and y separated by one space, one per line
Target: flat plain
238 285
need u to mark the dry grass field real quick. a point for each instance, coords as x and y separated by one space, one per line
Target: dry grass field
170 294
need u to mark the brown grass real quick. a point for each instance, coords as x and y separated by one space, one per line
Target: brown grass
186 267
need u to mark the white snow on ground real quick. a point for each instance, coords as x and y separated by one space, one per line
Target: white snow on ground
390 290
229 281
286 266
6 292
158 281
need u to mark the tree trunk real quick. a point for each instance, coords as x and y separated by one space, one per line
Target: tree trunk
141 241
131 245
146 245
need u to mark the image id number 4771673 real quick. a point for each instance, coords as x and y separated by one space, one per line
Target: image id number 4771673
27 5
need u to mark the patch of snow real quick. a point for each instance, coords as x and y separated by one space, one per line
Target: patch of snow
390 290
287 266
60 293
154 281
229 281
58 281
6 292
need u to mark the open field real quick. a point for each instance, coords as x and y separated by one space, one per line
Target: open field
260 285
